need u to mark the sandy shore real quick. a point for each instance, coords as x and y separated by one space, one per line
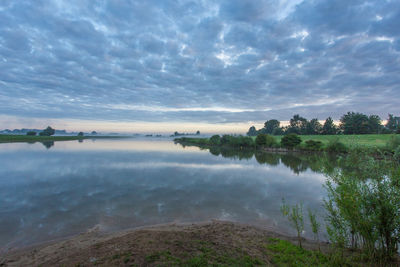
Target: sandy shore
142 246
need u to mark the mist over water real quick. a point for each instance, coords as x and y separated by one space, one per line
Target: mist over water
50 191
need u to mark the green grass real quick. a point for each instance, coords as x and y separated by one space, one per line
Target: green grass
366 140
8 138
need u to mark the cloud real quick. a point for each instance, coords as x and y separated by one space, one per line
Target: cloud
198 61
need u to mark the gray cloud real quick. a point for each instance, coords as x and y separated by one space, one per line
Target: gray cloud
192 61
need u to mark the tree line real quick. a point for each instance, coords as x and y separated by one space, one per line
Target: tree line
350 123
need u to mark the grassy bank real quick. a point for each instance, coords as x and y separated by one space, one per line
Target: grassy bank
207 244
31 139
371 143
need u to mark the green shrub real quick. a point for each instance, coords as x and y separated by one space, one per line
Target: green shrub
31 133
393 143
290 140
313 145
215 140
265 140
363 209
335 146
295 215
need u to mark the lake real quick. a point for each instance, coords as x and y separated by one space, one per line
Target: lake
55 190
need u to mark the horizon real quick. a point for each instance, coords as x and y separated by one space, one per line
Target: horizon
213 66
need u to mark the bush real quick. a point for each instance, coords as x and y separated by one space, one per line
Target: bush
393 143
335 146
363 208
31 133
47 132
290 140
313 145
215 140
265 140
226 139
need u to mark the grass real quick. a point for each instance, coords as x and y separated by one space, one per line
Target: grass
8 138
366 140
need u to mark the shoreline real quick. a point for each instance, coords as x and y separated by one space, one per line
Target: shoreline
5 139
96 247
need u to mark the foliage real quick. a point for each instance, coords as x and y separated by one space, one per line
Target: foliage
335 146
313 145
252 131
393 123
265 140
270 126
47 132
315 226
297 125
358 123
393 143
364 208
80 134
290 140
329 127
295 215
215 140
31 133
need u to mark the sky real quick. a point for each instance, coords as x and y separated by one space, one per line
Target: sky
208 65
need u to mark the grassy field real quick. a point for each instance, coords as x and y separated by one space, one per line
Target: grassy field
26 138
370 140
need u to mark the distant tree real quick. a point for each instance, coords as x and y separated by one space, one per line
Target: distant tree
198 133
374 124
270 126
314 127
80 134
93 133
265 140
393 123
290 140
215 140
252 131
47 132
32 133
297 125
329 127
278 131
354 123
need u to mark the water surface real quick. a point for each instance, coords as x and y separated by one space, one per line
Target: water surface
54 190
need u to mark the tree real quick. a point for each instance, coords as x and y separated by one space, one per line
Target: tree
31 133
47 132
354 123
198 133
270 126
265 140
80 134
290 140
374 124
393 123
329 127
215 140
93 133
252 131
297 125
313 127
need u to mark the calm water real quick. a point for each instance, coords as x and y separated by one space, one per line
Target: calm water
54 190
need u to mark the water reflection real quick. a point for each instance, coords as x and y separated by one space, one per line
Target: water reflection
72 187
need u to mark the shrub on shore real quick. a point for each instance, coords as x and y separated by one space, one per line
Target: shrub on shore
313 145
335 146
291 140
265 140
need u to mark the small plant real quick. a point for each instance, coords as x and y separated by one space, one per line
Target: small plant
313 145
290 140
295 215
315 226
335 146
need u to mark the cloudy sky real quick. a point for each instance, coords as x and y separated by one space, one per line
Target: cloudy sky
142 66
